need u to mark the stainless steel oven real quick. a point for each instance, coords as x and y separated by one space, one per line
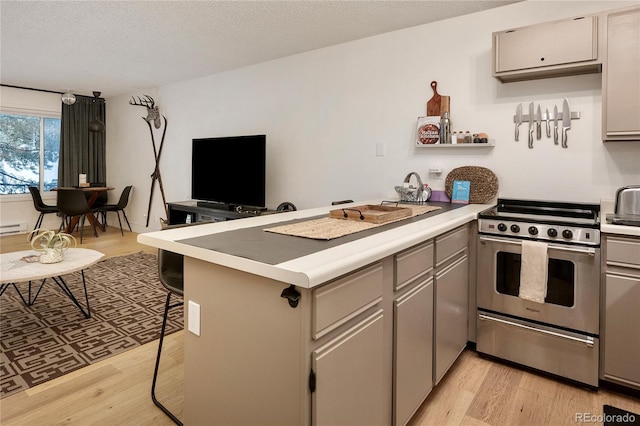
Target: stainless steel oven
561 335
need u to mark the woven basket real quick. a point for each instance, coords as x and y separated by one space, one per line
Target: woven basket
411 193
484 183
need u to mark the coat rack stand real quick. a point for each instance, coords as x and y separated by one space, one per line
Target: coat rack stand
156 176
154 115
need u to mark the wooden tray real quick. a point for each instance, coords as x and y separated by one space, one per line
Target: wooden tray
371 213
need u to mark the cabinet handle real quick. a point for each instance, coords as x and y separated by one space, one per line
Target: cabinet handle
455 264
617 133
622 265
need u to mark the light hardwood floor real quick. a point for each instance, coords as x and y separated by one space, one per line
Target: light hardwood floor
477 391
116 391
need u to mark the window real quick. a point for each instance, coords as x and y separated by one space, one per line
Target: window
29 152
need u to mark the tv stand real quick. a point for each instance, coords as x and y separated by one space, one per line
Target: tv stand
230 207
216 206
204 211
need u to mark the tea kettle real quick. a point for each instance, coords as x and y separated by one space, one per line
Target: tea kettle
426 193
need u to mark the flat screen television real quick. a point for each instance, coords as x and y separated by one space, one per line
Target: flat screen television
229 172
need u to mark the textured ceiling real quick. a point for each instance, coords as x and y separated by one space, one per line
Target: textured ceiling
118 47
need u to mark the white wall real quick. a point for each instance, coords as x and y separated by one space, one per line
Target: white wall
324 111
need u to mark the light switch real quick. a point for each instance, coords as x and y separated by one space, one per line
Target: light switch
380 148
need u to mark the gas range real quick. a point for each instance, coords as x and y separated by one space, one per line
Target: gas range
565 325
553 221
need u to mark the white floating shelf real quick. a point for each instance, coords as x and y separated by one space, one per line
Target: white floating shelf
489 144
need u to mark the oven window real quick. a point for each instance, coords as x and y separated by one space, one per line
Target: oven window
560 278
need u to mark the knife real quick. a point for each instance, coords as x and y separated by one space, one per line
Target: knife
531 125
566 121
548 126
518 121
555 124
539 124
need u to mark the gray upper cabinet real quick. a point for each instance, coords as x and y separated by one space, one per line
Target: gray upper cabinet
552 49
621 77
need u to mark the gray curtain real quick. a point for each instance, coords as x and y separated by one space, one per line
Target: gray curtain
82 151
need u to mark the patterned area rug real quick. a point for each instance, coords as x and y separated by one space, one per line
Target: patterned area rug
52 337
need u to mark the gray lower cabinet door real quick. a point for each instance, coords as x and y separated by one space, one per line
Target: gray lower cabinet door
451 317
413 335
349 371
622 329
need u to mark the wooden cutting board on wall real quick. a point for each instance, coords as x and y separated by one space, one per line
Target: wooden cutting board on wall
437 105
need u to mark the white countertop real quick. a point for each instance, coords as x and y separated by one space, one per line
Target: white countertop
607 207
317 268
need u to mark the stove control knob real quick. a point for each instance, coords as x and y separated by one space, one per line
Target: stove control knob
533 230
502 227
567 234
515 229
552 232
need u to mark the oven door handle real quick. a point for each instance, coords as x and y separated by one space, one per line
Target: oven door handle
583 250
588 341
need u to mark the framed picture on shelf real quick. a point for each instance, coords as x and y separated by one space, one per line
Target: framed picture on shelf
428 131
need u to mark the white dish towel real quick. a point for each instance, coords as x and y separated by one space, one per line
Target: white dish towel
533 271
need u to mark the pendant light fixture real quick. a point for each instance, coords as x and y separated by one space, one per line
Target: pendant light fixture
68 98
96 125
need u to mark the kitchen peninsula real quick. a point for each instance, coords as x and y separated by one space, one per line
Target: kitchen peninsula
296 331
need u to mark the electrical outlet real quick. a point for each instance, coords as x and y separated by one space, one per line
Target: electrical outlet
435 173
194 317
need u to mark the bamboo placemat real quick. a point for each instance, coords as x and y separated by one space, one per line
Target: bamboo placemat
328 228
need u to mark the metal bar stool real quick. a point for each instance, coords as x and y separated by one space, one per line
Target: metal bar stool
170 272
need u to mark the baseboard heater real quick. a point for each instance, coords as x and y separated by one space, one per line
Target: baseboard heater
13 228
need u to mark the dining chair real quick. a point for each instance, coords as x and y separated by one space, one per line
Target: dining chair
119 207
40 206
170 272
72 202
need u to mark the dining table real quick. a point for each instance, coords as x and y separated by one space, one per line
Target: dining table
94 192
